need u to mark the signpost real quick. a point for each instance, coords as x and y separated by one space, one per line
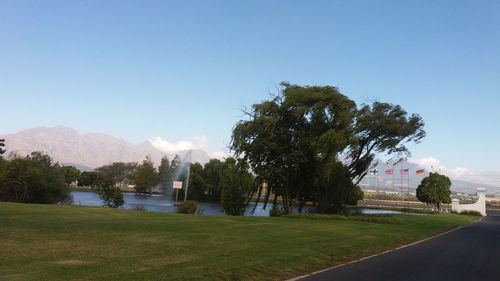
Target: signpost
177 185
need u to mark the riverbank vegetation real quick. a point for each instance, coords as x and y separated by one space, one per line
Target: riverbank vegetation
34 178
227 182
61 242
304 145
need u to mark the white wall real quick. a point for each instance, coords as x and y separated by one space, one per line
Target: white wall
479 206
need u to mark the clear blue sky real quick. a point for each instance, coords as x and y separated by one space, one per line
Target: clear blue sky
177 69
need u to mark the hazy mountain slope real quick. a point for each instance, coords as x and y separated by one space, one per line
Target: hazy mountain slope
91 150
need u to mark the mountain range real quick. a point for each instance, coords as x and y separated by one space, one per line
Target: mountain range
87 151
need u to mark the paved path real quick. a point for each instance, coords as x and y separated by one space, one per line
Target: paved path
469 253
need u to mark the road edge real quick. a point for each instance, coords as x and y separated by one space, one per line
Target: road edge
383 253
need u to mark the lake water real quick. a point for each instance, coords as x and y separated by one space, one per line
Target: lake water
162 203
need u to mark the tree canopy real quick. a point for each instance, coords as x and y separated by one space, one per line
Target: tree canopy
165 173
313 143
435 190
88 178
109 193
145 176
33 179
228 182
236 182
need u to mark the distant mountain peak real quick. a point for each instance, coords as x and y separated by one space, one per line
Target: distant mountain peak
67 145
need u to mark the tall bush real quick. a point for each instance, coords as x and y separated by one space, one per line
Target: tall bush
33 179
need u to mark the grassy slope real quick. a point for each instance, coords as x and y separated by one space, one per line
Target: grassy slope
41 242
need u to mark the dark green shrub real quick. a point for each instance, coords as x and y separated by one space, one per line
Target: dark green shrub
109 193
470 213
417 211
187 207
276 212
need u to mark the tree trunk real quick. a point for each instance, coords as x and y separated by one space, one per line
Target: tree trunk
323 206
302 203
266 199
287 203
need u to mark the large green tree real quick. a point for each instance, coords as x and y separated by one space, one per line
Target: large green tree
120 172
268 143
109 193
88 178
212 172
33 179
435 190
145 177
236 182
197 185
313 143
165 173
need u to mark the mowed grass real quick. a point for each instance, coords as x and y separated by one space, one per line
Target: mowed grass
53 242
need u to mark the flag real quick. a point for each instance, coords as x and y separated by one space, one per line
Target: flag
374 172
389 171
404 171
421 172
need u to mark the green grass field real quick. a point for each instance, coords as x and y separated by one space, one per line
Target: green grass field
53 242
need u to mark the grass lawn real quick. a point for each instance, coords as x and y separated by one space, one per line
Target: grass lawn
53 242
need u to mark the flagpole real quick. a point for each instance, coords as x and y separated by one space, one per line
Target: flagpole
408 189
401 186
378 187
393 185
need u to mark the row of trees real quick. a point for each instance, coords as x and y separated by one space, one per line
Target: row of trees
227 182
37 179
144 177
315 144
304 144
109 180
32 179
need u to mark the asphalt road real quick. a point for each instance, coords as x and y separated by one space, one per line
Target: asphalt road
469 253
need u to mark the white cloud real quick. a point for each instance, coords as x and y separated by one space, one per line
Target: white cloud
434 164
428 162
219 154
197 142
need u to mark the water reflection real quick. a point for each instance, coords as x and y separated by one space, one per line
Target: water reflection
162 203
159 203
